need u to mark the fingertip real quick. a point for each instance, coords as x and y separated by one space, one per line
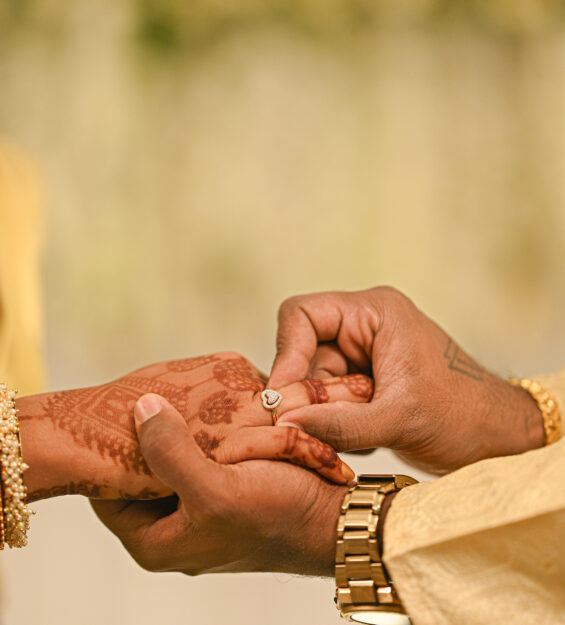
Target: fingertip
279 377
147 407
348 472
289 424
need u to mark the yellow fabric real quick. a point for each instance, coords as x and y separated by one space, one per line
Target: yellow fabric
485 544
20 310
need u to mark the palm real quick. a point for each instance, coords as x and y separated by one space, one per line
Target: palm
272 508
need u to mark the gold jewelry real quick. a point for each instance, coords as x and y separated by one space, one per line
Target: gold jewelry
271 399
365 592
15 513
547 405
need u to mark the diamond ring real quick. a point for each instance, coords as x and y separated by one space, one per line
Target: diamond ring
271 399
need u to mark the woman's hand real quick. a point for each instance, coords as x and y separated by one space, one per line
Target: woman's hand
83 441
433 404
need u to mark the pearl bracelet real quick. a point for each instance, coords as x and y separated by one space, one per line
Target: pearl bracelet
14 512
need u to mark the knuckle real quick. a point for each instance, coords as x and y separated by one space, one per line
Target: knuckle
393 296
290 305
335 435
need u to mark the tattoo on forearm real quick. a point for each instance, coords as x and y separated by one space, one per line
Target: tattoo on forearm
462 363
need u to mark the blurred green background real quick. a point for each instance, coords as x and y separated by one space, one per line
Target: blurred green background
202 161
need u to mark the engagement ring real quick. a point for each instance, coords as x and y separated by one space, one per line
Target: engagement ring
271 399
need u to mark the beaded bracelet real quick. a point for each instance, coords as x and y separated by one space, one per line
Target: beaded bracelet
14 511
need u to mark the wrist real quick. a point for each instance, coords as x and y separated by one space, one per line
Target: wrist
533 432
513 422
527 419
52 463
322 533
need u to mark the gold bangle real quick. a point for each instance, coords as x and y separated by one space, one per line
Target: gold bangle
15 513
547 405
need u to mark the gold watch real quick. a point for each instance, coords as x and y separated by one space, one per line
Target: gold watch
365 592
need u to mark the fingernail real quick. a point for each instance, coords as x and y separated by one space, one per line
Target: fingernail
146 407
288 424
347 471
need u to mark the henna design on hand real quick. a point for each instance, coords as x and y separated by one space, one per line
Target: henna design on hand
290 443
359 385
462 363
237 374
176 395
324 454
207 443
218 408
100 418
87 489
317 391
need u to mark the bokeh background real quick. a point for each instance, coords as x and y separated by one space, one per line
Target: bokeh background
202 161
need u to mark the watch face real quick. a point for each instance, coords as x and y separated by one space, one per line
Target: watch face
379 618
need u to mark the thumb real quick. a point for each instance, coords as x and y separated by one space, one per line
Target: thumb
172 453
344 425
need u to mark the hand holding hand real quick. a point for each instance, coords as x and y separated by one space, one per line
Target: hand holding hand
84 441
257 515
432 403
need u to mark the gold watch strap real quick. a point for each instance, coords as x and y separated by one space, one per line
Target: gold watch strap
362 580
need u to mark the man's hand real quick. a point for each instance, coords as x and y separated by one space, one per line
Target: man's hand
257 515
432 403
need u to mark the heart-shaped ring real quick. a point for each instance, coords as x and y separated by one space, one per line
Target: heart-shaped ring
271 399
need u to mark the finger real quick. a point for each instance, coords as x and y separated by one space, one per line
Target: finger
351 388
289 443
347 426
299 331
328 362
173 455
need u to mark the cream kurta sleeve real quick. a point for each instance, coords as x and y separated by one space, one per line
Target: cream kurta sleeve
485 544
